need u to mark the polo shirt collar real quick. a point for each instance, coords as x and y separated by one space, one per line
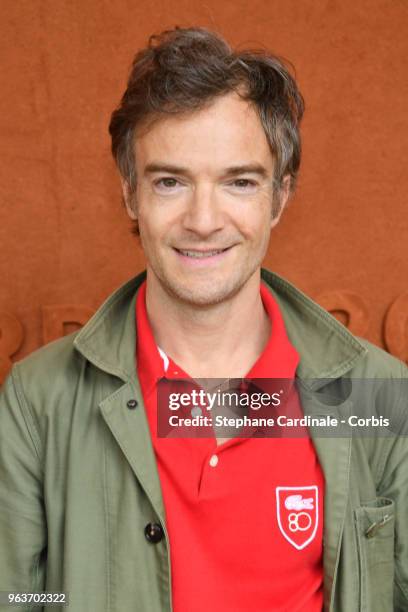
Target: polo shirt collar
279 358
151 363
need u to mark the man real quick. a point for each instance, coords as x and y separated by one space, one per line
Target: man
93 501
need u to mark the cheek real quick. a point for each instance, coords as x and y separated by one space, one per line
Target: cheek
155 229
158 215
255 223
253 211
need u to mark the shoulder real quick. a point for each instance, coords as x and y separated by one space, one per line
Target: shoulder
38 389
50 364
378 363
43 381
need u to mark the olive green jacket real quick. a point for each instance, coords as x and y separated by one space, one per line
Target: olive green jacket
79 481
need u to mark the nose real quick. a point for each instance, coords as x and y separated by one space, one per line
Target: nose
204 214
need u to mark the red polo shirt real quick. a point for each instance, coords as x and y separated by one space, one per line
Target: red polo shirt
245 518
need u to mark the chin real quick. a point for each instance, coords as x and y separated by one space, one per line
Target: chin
208 294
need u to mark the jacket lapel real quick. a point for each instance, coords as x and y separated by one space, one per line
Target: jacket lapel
131 431
108 341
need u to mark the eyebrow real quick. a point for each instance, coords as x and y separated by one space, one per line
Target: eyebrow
251 168
254 168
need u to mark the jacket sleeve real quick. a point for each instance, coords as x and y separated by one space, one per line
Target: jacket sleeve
22 518
394 485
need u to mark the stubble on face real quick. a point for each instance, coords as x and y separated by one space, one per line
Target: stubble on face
208 289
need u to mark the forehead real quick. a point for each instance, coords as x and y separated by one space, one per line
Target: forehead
225 132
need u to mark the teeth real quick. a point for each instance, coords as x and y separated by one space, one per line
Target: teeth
199 254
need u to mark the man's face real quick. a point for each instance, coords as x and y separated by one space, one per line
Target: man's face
204 200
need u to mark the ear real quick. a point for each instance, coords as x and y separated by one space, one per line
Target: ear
283 197
128 200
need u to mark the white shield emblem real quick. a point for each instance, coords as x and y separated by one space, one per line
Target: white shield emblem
297 514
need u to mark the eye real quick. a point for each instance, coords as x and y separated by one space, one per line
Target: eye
166 183
243 184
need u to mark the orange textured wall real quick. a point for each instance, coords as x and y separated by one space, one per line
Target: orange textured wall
65 239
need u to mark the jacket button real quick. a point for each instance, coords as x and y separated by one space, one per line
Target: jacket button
132 403
154 532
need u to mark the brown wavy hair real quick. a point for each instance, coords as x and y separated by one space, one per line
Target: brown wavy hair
185 69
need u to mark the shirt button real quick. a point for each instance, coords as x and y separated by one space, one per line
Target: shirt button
196 411
154 532
213 460
132 403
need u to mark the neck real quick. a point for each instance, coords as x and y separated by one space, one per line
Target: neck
219 341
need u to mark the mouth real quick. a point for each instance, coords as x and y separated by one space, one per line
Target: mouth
196 254
201 256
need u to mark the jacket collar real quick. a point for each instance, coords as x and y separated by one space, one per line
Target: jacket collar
326 348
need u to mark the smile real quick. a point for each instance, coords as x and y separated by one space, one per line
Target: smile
201 254
199 258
